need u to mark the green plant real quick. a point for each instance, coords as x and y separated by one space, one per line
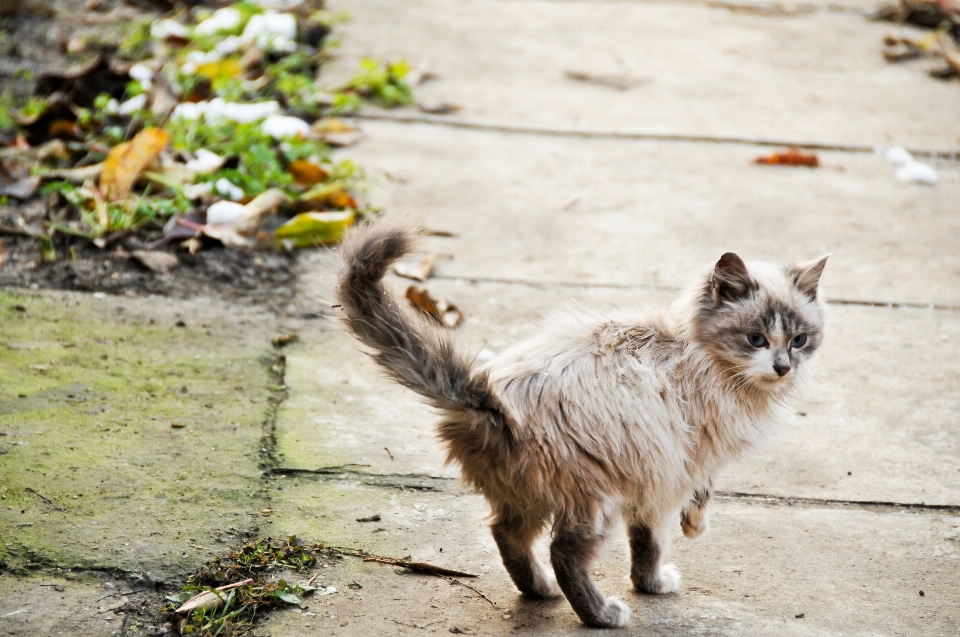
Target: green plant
382 84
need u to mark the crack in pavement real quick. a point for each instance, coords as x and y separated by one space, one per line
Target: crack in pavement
638 136
401 481
877 506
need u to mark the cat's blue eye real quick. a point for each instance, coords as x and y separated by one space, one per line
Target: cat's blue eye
757 340
799 341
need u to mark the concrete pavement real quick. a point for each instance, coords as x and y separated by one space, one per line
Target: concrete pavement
561 194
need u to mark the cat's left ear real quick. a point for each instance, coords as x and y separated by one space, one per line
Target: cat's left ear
806 276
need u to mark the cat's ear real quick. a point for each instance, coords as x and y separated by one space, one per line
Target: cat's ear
730 281
806 276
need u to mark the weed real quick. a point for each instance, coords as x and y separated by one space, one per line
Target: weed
382 84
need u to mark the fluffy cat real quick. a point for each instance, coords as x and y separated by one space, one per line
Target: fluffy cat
599 416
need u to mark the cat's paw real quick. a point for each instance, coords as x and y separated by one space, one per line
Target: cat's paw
667 580
694 522
614 615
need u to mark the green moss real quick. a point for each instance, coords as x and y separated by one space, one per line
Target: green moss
94 472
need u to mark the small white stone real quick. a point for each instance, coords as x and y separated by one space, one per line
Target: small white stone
282 126
271 23
133 105
196 191
221 20
897 156
141 73
228 189
205 162
917 172
163 29
223 211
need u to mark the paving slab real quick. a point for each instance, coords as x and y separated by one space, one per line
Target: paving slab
595 212
702 70
130 431
759 571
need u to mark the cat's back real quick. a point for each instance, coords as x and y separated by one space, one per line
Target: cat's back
588 372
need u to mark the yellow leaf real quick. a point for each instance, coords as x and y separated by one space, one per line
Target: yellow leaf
219 70
315 228
127 161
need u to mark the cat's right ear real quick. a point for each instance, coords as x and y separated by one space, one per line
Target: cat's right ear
730 281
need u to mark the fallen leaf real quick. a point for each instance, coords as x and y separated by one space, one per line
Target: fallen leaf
439 108
75 175
438 309
65 129
791 157
306 173
417 267
619 82
315 228
157 261
336 132
289 598
3 255
220 70
127 161
325 196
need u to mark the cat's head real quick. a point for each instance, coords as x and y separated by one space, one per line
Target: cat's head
759 322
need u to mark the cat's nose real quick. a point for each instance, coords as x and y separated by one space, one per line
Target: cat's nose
781 369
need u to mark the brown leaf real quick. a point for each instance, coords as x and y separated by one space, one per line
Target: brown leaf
127 161
438 309
791 157
306 173
417 267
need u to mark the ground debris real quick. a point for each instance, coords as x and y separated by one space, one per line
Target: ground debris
186 107
790 157
943 43
438 309
619 82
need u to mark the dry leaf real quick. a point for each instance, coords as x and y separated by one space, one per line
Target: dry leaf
619 82
438 309
315 228
126 162
792 157
417 266
161 262
307 173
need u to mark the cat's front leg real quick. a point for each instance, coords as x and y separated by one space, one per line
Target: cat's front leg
648 544
695 517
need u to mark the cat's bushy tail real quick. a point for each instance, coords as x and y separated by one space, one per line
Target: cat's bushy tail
416 354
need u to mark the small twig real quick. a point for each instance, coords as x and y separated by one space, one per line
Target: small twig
45 499
473 588
112 595
420 567
315 576
388 452
234 585
396 621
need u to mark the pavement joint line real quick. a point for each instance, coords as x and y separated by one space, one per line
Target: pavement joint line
945 307
401 481
636 136
877 506
772 9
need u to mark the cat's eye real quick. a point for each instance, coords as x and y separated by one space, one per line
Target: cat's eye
798 341
757 340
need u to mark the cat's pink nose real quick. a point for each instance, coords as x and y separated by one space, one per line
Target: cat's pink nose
781 369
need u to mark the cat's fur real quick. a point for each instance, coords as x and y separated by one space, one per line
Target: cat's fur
599 416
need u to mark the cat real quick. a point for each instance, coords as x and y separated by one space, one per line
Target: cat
599 416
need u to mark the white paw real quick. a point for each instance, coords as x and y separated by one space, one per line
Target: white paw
669 579
617 613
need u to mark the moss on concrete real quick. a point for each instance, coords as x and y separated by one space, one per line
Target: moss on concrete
127 441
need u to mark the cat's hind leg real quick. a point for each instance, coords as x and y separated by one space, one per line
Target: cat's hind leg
695 518
571 552
647 549
514 536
